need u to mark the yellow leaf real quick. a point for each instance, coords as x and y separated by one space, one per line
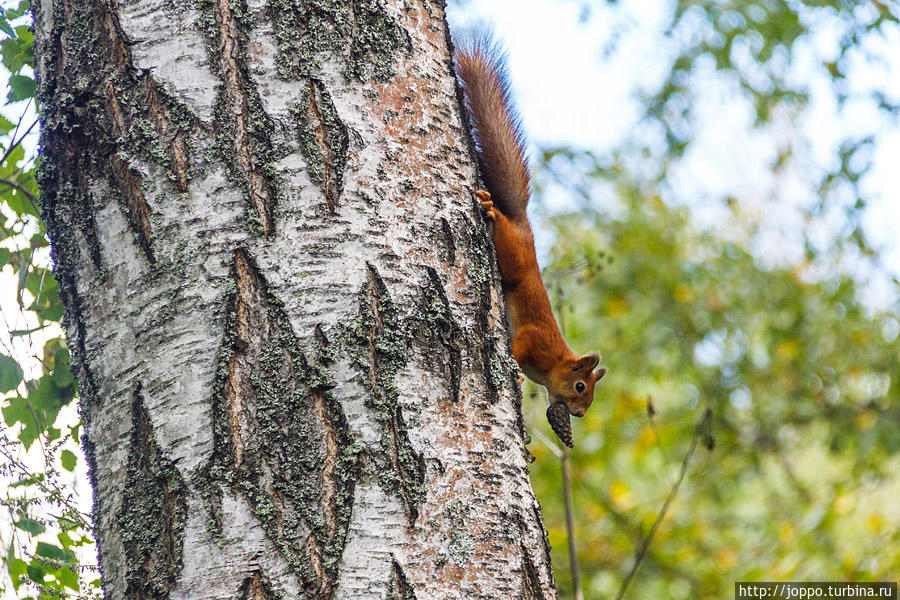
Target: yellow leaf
787 349
875 523
866 420
683 293
726 559
843 503
786 532
620 494
616 307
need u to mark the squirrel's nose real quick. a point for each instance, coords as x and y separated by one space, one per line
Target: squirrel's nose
577 412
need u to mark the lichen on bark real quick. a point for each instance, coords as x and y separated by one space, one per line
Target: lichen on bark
377 341
399 587
435 326
97 112
257 587
244 141
281 438
323 140
360 32
152 516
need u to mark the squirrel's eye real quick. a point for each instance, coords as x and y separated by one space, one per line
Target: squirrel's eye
579 386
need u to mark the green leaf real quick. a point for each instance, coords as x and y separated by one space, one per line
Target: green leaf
54 552
44 289
10 167
18 52
68 460
16 567
10 374
18 411
36 572
53 311
47 399
26 481
21 87
65 540
31 526
62 377
68 578
21 10
6 125
5 27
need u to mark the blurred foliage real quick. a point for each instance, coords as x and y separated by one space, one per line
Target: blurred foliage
804 384
801 373
45 534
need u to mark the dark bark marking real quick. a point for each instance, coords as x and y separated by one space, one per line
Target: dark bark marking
399 587
323 139
94 106
98 510
66 199
545 539
258 587
499 368
360 33
379 333
244 129
135 206
437 327
167 129
153 513
280 437
531 583
326 351
532 588
449 241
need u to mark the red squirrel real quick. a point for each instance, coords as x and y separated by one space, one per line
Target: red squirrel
538 345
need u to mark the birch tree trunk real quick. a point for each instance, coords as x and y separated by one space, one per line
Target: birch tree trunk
282 303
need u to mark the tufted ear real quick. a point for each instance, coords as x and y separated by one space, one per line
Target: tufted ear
586 363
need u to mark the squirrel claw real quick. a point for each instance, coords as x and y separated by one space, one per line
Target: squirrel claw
486 205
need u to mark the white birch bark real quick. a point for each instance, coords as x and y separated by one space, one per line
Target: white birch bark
282 303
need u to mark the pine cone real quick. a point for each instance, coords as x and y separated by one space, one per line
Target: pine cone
558 417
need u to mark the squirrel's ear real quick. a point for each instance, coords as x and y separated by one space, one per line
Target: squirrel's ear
599 373
587 362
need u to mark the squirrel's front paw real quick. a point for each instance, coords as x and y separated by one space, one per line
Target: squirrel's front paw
486 205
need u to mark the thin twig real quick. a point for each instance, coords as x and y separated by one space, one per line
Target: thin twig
21 188
21 118
52 492
554 448
651 412
15 143
701 431
570 525
567 479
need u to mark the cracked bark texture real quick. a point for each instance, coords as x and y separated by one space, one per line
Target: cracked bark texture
282 303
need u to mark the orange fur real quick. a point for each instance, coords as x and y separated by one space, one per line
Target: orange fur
538 345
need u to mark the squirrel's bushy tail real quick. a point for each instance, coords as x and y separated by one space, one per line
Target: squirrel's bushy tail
481 69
